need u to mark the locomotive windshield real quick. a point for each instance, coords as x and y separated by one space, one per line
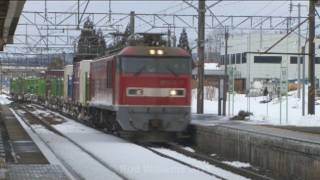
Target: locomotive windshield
174 65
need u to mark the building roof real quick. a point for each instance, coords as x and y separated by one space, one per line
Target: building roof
10 11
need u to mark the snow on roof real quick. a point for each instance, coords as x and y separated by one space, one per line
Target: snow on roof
211 66
210 69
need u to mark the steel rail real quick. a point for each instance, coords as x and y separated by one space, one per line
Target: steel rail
51 128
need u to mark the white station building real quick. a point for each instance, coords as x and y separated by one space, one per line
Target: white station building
249 63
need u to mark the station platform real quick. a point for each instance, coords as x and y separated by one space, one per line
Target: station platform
35 172
285 152
20 157
25 150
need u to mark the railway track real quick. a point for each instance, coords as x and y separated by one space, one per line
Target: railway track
184 163
240 171
49 127
177 148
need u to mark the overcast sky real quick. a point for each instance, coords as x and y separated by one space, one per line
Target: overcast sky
226 7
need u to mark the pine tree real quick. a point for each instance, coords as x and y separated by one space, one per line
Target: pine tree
91 44
183 41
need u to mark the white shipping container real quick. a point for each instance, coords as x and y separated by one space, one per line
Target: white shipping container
67 74
84 73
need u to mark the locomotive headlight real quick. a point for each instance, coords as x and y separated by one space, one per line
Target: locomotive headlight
177 92
152 52
160 52
173 92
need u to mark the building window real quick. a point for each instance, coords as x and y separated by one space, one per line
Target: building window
294 60
317 60
233 58
228 59
244 58
268 59
222 59
238 60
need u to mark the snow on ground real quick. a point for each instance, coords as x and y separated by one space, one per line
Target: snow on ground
189 149
85 166
237 164
41 112
268 113
81 162
4 99
200 164
41 145
131 160
5 91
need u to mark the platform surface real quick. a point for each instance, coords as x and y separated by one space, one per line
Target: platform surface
305 134
24 149
35 172
21 159
208 119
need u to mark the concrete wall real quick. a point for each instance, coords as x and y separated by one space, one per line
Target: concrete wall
283 158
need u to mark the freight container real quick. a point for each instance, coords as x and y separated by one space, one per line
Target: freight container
13 86
101 82
41 88
56 87
18 87
84 73
67 84
54 73
75 82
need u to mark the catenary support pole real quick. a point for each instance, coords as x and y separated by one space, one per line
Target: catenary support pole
311 87
201 35
132 22
299 48
226 59
303 80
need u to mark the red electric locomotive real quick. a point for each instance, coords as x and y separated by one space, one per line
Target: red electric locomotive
142 89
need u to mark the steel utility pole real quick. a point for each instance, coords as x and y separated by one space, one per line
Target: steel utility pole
304 79
1 73
311 88
299 48
201 34
132 23
78 15
226 59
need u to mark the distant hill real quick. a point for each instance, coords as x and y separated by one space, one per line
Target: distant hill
35 60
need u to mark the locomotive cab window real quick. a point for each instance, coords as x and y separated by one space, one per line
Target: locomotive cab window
174 65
